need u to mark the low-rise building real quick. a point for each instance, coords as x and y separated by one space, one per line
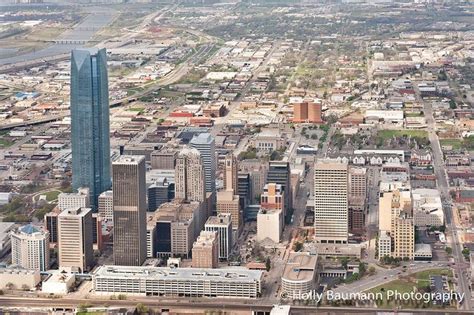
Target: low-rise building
300 274
163 281
58 283
20 278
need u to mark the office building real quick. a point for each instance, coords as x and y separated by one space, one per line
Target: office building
272 197
164 159
257 171
403 230
106 205
222 224
19 277
206 250
384 245
244 189
330 202
159 192
230 173
5 239
129 195
97 221
30 247
51 225
279 173
171 282
81 199
150 238
75 239
190 176
307 112
357 187
90 130
205 144
228 203
269 225
176 228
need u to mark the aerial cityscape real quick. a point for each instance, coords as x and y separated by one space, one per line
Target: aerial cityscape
264 157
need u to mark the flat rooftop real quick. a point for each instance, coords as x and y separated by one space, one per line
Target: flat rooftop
300 267
165 273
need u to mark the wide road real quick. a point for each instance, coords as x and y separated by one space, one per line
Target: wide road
443 186
13 303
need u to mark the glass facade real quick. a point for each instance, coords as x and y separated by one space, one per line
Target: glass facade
90 122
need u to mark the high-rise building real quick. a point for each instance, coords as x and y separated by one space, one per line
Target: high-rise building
106 205
129 193
189 176
51 225
258 174
229 203
272 197
403 230
205 144
90 130
80 199
330 201
222 224
159 192
230 173
97 231
269 225
75 230
244 189
307 112
30 247
163 159
279 173
206 250
357 186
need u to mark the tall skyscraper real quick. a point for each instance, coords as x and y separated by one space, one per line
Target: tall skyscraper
30 247
231 173
279 173
222 224
129 195
189 176
75 239
90 122
205 144
330 202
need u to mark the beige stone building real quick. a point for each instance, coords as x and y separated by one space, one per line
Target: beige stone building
75 239
189 176
227 202
206 250
30 247
331 201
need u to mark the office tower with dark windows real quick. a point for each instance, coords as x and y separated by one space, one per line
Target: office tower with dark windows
129 200
51 225
205 144
279 173
90 122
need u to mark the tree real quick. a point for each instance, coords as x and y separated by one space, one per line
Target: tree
344 262
10 286
142 309
297 246
449 250
268 264
25 287
372 270
121 297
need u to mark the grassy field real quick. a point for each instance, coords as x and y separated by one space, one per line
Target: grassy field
408 283
455 143
388 134
52 195
5 143
136 109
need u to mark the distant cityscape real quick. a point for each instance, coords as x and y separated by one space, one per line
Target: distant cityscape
249 157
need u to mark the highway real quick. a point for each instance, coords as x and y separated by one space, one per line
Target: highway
16 303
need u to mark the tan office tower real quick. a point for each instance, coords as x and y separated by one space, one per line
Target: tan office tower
75 239
314 112
272 197
164 159
206 250
189 176
403 229
330 201
357 185
231 172
300 112
129 195
227 202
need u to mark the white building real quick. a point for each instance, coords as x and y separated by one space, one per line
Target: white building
385 244
106 205
222 224
163 281
427 207
269 225
5 243
81 199
30 248
58 283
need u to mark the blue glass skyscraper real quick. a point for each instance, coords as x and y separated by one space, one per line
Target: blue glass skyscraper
90 122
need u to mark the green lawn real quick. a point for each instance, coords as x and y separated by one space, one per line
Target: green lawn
136 109
425 275
454 143
388 134
5 143
52 195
